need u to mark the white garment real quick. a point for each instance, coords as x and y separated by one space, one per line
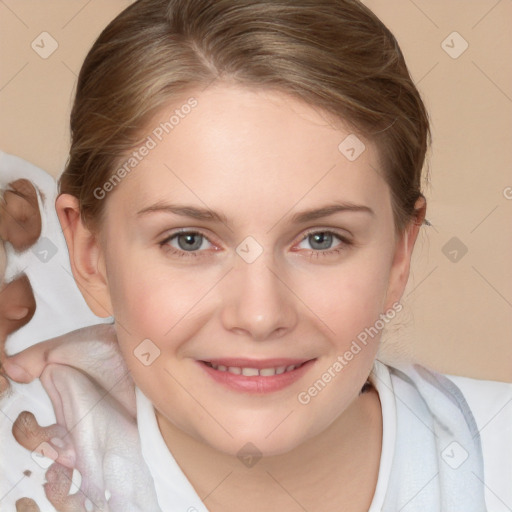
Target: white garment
408 480
175 492
417 470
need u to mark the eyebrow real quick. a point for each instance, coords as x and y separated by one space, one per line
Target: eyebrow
210 215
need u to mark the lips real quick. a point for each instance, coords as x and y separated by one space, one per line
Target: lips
249 371
256 376
258 364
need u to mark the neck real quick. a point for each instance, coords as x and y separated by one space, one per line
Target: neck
342 461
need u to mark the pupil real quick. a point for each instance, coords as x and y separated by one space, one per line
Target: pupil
190 244
323 239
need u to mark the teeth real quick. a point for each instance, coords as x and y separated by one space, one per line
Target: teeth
250 372
253 372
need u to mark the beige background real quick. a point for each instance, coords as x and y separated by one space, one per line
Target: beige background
457 315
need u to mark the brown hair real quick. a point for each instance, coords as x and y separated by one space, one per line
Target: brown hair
336 55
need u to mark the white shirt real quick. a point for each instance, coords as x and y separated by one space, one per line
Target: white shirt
175 492
406 465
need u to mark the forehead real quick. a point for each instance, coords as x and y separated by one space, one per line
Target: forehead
247 149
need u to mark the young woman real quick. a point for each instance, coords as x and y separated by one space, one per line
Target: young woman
242 196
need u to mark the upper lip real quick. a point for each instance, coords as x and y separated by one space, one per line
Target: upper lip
255 363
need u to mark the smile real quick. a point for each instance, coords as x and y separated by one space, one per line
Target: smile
253 372
252 376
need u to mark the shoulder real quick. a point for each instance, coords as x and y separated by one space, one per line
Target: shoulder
491 404
490 401
485 397
486 406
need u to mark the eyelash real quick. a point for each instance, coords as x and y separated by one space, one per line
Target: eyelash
345 243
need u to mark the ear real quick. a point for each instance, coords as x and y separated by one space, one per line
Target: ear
400 268
85 256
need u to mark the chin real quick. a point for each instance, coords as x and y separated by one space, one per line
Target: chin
256 444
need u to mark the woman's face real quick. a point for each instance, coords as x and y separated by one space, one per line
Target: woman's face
252 284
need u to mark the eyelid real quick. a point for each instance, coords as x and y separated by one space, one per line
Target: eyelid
199 231
309 231
346 239
344 235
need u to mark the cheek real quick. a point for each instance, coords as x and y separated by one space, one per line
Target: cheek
149 298
347 298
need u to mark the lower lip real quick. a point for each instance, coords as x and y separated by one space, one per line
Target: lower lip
257 383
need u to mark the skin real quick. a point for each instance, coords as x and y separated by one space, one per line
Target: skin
237 150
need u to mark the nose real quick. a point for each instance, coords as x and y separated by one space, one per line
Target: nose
257 301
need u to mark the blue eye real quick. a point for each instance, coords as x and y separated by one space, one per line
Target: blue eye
189 242
321 242
194 243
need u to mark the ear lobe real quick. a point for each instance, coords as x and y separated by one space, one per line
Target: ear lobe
85 256
399 274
